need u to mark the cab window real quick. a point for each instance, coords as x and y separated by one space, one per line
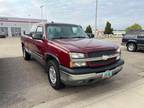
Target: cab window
33 29
39 33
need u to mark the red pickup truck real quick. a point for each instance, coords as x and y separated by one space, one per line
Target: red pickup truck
69 55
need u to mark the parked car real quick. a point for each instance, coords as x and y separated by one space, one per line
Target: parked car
134 40
70 56
2 35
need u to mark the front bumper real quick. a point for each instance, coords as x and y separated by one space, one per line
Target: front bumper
88 75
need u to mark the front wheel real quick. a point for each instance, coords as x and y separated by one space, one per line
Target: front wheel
131 47
26 55
54 75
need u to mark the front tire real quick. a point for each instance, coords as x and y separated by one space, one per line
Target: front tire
131 47
26 55
54 75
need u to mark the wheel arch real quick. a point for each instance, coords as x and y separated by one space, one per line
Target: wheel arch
131 41
49 56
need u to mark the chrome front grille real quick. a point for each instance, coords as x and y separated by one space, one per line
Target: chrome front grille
101 53
102 62
111 54
100 58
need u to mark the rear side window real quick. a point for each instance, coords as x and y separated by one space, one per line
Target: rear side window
140 36
39 29
33 29
130 36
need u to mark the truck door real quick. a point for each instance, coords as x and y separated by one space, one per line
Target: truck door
39 44
140 40
31 40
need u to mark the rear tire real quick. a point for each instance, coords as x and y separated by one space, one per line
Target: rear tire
54 75
26 55
131 47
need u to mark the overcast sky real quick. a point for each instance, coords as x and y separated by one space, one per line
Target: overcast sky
120 13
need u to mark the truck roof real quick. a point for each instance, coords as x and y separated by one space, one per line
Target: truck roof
53 23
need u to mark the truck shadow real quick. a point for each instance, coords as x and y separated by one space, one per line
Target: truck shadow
140 51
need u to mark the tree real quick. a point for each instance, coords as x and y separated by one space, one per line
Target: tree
134 27
88 29
108 28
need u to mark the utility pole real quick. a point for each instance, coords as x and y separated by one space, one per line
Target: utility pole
41 7
96 17
42 10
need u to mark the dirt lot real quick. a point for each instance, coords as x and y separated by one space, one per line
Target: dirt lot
24 84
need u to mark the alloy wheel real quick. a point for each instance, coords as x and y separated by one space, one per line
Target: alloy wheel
52 74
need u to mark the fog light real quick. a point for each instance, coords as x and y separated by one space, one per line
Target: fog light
77 64
118 57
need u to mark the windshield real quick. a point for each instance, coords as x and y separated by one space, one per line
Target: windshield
65 31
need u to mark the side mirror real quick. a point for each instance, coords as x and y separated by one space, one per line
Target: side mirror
30 34
90 35
38 36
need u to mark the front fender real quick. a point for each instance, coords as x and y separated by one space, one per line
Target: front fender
53 56
132 40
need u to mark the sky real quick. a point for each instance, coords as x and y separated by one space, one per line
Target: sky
121 13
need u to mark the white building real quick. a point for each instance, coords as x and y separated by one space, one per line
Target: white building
119 32
16 26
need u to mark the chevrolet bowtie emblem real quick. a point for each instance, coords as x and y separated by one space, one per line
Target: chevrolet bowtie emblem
104 57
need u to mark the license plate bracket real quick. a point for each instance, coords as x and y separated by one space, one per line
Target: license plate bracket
107 74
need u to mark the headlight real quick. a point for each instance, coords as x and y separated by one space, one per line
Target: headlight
119 52
77 55
77 63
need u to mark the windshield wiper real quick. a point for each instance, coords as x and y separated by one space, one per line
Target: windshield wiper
79 37
62 37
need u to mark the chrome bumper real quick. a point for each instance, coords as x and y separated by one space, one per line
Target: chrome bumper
67 77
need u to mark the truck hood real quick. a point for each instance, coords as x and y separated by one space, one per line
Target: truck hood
84 45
